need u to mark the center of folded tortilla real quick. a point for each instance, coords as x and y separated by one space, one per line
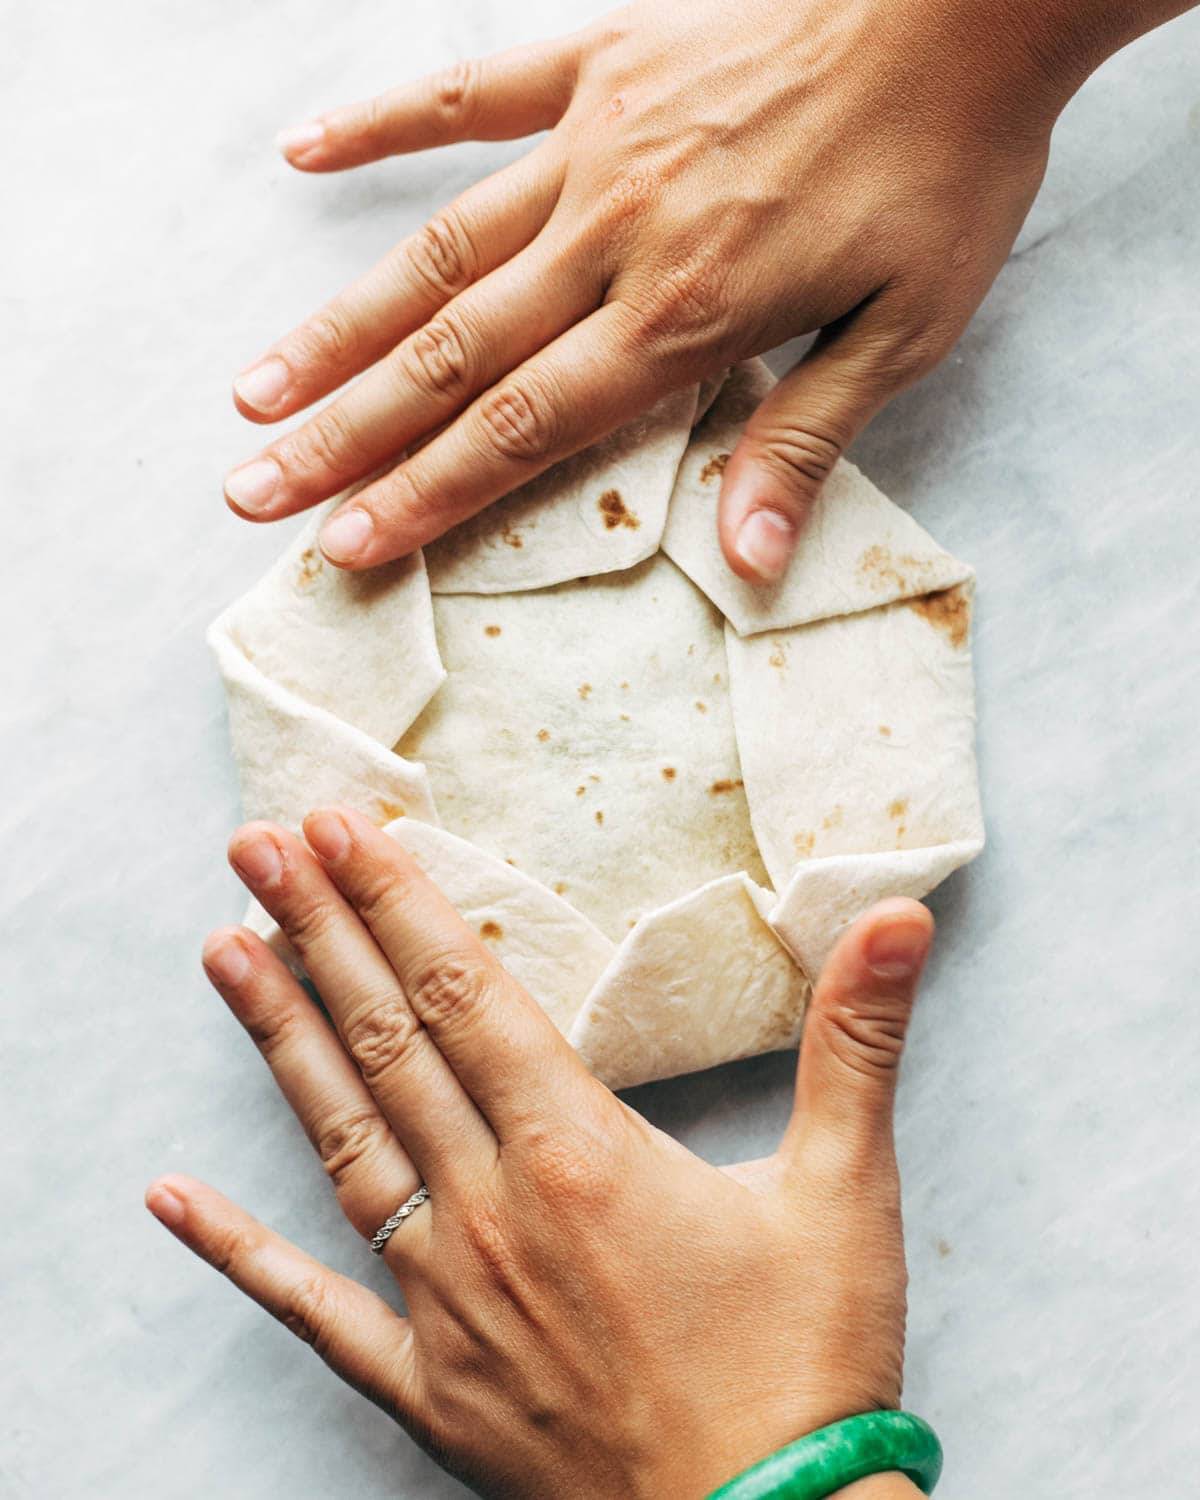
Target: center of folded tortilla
584 734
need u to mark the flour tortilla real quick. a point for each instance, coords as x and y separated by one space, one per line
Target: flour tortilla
584 732
858 550
817 740
599 512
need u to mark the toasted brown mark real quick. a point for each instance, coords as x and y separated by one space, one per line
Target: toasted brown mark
944 1248
834 818
389 811
668 773
543 735
803 843
948 610
599 816
512 538
579 790
714 468
719 788
585 690
625 718
778 657
887 571
491 931
886 731
624 685
701 707
492 630
615 514
311 563
560 887
898 808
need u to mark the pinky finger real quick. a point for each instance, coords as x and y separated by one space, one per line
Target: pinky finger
355 1332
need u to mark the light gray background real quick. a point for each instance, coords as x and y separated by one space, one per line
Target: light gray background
1050 1113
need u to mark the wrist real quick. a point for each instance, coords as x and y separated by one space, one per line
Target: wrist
891 1486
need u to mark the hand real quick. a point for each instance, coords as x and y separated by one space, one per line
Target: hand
716 180
593 1311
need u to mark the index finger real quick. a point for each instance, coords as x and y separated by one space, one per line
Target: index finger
503 1048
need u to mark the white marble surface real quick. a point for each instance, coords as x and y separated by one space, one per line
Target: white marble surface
1050 1113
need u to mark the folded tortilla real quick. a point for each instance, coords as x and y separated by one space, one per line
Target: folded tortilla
656 792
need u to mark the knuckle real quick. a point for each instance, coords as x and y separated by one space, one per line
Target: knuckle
570 1171
271 1028
436 359
867 1035
442 255
329 337
685 305
233 1245
800 453
628 197
343 1144
308 1312
308 920
456 92
327 444
519 421
382 1037
451 993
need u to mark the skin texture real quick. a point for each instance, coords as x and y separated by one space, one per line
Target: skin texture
705 192
593 1311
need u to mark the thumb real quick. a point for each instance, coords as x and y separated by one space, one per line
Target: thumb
796 436
855 1027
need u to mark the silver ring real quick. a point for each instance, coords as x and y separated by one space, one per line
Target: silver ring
385 1231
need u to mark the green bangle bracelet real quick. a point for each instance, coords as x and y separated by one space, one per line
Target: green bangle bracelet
876 1442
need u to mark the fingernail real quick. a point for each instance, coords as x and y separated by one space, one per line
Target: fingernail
253 486
896 950
346 535
226 960
264 385
299 140
167 1207
766 542
258 863
327 835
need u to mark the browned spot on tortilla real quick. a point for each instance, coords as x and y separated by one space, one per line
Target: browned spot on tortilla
311 563
943 1248
585 690
898 808
701 707
592 776
803 843
949 610
624 684
491 930
599 816
508 861
389 811
901 830
717 678
615 514
492 630
668 773
834 818
560 887
625 718
714 467
778 657
579 790
692 649
512 538
719 788
886 731
543 735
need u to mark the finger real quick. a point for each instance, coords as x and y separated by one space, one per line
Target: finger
355 1332
369 1169
418 1094
422 384
855 1027
498 98
484 227
502 1046
553 405
792 442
